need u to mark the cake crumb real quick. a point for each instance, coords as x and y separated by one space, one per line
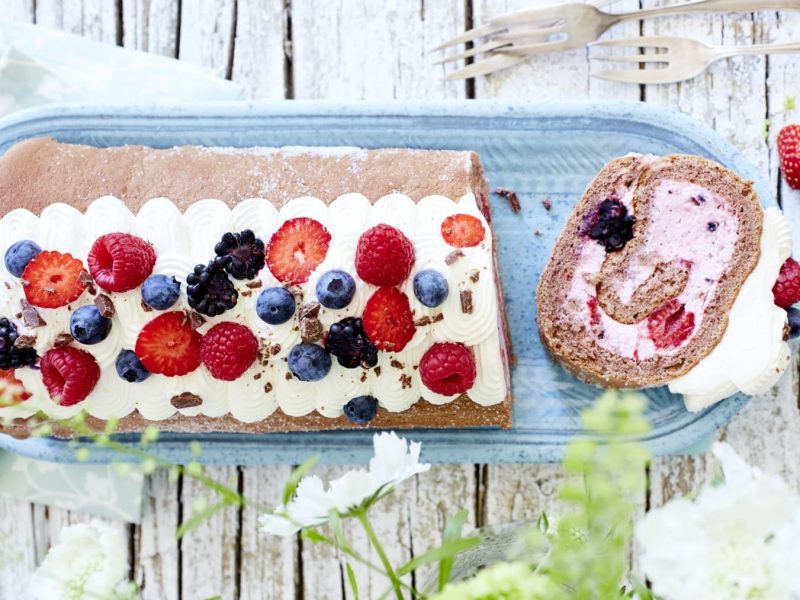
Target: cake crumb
453 257
475 276
511 196
466 302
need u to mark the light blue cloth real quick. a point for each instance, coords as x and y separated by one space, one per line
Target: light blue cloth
39 66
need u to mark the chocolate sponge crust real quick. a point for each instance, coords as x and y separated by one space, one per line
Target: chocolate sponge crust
565 337
40 171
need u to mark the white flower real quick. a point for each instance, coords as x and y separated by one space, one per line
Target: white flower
394 461
736 541
88 562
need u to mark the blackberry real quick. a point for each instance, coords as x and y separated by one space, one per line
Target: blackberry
609 224
240 254
347 341
209 290
12 357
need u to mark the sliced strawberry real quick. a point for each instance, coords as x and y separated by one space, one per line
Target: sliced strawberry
53 279
69 374
11 389
789 154
462 230
120 262
388 321
296 249
786 290
169 345
670 325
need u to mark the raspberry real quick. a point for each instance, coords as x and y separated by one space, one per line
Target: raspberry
462 231
787 289
448 368
53 279
388 321
168 345
228 349
384 256
11 389
69 374
120 262
296 249
670 325
789 154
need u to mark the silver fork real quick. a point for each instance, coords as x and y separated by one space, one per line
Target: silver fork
684 58
569 26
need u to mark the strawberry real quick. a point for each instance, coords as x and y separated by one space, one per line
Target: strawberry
789 154
388 321
120 262
168 345
384 256
296 249
462 231
69 374
11 389
447 368
787 288
228 349
670 325
53 279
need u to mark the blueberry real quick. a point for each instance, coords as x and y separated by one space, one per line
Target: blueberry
361 409
309 362
130 368
794 322
19 254
335 289
88 326
430 288
275 305
160 291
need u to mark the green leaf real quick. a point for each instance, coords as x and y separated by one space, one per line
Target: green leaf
446 550
313 535
296 476
199 517
452 532
351 577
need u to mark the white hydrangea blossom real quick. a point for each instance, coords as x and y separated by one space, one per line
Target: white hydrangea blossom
737 541
394 461
88 562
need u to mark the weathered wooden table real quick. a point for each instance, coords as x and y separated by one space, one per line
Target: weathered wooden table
372 49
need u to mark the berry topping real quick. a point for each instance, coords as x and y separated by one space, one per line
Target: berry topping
228 350
670 325
240 254
384 256
296 249
88 326
19 254
168 345
130 368
463 231
787 289
347 341
160 291
12 357
69 374
361 409
609 224
309 362
794 322
335 289
275 305
120 262
447 369
712 226
789 153
209 290
388 320
11 389
53 279
430 288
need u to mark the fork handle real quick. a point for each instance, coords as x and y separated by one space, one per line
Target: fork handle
710 6
726 51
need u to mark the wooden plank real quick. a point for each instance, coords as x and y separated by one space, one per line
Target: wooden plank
94 19
207 33
260 60
358 49
18 10
151 26
18 556
157 549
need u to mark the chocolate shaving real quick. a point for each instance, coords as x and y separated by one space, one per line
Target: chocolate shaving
405 381
786 331
92 289
377 371
289 375
196 320
85 279
422 321
267 387
296 291
475 276
246 293
186 400
25 341
511 196
146 307
547 203
311 330
363 376
453 257
257 376
8 285
63 339
309 310
30 316
105 305
466 302
255 284
437 317
397 364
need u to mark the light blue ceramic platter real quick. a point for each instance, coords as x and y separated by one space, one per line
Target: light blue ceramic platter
540 151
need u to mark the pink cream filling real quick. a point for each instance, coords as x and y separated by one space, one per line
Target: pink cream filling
678 229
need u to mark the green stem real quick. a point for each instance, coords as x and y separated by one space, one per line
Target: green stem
373 539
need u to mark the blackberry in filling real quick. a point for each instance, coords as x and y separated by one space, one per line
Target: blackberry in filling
609 224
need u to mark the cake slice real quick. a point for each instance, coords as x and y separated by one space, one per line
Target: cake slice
650 269
362 341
